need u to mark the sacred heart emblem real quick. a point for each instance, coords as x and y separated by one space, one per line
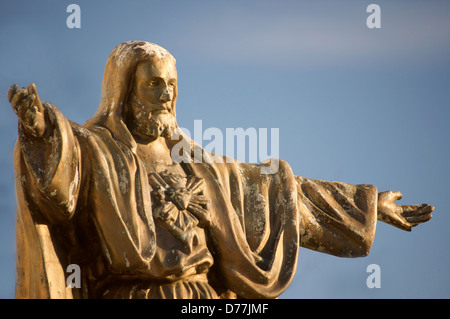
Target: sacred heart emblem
179 201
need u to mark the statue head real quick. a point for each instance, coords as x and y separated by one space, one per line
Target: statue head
149 110
139 92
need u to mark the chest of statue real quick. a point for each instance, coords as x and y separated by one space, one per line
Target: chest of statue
180 212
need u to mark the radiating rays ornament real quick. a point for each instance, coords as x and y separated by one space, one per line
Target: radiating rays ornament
179 202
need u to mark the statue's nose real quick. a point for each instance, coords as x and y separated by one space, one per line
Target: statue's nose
165 96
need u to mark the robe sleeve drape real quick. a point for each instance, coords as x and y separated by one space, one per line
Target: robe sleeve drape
47 188
337 218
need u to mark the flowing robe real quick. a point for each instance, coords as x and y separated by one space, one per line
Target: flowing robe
86 200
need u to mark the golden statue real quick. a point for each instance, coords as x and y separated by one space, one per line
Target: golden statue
108 197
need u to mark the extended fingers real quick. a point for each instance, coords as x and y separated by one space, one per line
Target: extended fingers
416 210
31 88
18 98
417 214
35 97
416 220
12 91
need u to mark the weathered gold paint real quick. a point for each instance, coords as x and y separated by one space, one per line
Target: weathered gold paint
108 197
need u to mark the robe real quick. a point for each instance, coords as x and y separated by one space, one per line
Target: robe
86 201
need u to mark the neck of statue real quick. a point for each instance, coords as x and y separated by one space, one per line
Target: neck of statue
154 150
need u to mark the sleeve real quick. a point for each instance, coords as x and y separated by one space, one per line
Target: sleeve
48 178
49 169
337 218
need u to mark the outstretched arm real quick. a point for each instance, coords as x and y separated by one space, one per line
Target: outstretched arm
47 156
401 216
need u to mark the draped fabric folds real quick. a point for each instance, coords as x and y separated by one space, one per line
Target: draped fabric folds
258 220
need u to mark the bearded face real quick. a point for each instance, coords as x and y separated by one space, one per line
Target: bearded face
151 124
150 106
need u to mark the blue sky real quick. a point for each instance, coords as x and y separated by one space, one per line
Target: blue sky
352 104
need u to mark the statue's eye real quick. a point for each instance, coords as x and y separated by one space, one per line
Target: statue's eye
153 84
172 84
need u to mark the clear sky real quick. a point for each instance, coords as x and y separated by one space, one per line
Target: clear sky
352 104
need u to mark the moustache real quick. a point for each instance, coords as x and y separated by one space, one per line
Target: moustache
161 108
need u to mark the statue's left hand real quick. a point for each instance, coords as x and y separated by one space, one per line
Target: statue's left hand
401 216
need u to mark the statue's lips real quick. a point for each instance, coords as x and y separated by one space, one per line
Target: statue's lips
162 109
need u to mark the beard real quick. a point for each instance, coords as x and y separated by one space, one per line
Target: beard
160 124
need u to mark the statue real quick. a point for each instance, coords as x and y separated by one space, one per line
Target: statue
108 197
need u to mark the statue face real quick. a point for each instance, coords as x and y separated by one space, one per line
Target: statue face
151 101
154 86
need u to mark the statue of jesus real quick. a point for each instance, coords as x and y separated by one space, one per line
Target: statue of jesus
109 197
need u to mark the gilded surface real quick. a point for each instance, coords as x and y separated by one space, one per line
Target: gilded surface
109 197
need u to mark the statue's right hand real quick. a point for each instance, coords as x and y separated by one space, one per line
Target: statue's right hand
28 108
